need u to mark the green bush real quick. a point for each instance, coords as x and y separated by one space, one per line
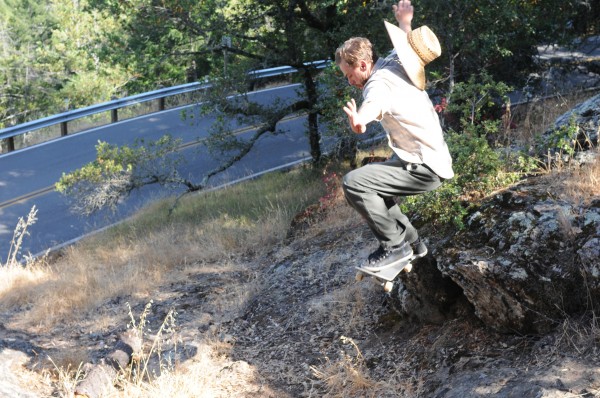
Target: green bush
479 167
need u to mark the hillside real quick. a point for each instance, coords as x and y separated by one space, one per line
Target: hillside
293 322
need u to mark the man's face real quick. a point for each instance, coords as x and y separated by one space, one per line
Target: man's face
357 74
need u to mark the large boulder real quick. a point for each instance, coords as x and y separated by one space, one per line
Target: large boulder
524 263
526 259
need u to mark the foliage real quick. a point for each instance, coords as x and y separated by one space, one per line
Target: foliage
269 34
88 51
497 36
117 171
55 57
163 44
24 87
479 167
58 54
477 102
334 92
561 140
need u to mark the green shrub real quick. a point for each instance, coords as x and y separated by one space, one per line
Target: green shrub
561 140
479 167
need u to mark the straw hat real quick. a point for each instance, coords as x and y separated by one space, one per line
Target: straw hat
415 50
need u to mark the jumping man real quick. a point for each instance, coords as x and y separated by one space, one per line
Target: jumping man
393 94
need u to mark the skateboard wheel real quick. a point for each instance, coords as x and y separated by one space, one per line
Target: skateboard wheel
388 286
408 268
359 276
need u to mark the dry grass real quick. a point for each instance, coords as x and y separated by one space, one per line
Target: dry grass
208 375
204 235
582 184
341 306
83 279
15 278
155 248
535 117
576 183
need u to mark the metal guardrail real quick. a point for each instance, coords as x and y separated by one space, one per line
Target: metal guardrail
63 118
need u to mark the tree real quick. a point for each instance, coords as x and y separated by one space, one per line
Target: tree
164 43
288 33
55 56
117 171
24 87
500 37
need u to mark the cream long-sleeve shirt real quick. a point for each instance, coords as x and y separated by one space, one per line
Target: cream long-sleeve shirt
408 116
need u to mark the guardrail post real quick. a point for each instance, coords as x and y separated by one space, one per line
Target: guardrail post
114 117
63 129
10 144
161 104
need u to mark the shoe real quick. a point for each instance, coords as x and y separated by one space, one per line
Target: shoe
419 249
383 258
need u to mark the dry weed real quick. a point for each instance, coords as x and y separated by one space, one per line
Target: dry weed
576 183
345 305
578 335
349 377
67 377
207 375
582 184
346 377
21 231
539 114
565 222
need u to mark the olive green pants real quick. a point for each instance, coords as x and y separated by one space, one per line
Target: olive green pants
371 190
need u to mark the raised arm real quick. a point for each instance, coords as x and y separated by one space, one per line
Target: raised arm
404 12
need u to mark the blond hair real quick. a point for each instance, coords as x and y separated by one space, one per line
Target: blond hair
354 50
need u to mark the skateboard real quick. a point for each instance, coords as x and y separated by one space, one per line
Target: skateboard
386 276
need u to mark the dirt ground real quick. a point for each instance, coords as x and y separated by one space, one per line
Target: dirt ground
296 323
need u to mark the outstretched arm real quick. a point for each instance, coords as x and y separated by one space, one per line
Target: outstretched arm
404 12
359 118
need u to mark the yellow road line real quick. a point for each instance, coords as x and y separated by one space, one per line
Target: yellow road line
27 196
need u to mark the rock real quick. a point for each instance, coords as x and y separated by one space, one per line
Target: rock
10 383
425 295
525 262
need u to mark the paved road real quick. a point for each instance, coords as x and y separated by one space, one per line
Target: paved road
27 176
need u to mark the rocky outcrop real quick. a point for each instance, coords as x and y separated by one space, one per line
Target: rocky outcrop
526 260
524 263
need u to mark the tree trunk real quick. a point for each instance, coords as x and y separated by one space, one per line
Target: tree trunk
314 137
99 381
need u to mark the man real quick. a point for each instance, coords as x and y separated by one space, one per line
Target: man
393 95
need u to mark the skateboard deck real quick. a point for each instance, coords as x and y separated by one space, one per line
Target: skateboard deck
387 275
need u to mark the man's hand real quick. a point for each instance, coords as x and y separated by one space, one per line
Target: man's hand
356 124
404 12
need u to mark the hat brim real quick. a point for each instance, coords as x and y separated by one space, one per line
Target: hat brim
409 59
